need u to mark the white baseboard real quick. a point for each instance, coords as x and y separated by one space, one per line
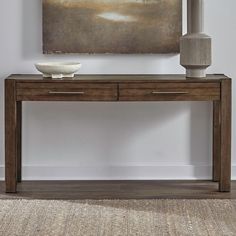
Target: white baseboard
191 172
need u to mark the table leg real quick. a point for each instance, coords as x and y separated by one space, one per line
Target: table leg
216 141
10 136
225 136
19 127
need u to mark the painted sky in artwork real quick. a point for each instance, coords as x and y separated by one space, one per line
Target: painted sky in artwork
112 26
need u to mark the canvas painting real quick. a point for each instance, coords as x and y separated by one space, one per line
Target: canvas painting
112 26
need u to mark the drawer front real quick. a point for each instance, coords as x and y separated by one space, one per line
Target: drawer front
169 92
66 92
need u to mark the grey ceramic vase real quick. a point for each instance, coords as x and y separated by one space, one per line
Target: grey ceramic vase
195 46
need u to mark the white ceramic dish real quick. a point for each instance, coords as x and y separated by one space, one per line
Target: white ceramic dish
58 70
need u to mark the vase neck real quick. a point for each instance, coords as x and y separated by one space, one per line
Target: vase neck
195 16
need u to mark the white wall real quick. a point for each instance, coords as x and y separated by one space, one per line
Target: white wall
113 140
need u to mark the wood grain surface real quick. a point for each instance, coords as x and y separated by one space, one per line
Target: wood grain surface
115 88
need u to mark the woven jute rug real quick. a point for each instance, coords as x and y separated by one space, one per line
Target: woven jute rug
117 217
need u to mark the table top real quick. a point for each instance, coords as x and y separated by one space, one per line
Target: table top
119 78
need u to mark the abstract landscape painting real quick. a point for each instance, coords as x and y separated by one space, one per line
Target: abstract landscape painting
112 26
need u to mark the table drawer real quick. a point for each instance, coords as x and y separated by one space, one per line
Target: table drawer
67 92
169 91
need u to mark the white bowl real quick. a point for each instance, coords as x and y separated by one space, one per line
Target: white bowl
58 70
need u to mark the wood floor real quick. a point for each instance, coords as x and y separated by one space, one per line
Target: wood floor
118 190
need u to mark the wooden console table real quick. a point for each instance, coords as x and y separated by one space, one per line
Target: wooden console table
119 88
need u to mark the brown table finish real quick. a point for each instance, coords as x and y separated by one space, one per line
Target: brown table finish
119 88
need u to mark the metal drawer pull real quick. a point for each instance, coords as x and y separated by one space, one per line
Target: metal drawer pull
61 92
177 92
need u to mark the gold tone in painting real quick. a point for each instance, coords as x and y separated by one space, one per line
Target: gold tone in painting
112 26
